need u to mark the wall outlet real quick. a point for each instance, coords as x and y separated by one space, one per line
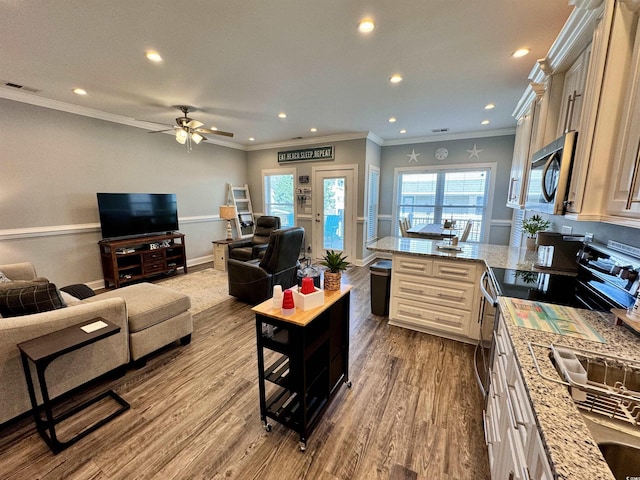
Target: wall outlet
566 230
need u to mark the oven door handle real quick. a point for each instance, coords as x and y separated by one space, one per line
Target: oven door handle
487 295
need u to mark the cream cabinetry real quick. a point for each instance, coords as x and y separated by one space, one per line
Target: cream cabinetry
521 154
513 441
625 182
436 296
573 93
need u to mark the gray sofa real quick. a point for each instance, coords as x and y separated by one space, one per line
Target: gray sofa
150 317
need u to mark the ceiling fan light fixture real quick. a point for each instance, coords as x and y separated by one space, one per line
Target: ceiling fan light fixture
196 137
181 136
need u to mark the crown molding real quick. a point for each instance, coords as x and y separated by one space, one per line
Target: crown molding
33 99
452 136
340 137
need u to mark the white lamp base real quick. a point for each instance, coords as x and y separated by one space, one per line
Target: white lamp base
229 233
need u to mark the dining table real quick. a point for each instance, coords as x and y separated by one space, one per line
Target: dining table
434 231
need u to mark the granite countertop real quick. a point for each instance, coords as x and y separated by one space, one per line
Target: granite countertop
501 256
569 443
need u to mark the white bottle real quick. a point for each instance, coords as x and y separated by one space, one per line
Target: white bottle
277 296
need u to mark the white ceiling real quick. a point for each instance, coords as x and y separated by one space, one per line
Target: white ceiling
240 63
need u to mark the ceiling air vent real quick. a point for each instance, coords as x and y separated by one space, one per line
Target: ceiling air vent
439 130
20 87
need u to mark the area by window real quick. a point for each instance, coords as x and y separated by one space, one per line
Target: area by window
279 195
427 195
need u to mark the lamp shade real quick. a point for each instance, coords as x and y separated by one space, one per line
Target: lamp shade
228 212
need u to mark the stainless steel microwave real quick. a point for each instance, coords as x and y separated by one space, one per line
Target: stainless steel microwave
549 176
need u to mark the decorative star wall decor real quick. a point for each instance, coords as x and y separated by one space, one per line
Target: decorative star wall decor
474 152
413 156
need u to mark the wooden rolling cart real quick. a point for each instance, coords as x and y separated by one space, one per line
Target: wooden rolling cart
309 355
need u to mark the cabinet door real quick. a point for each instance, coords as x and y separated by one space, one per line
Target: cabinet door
573 93
521 152
625 181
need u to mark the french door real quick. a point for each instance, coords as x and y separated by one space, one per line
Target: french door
334 212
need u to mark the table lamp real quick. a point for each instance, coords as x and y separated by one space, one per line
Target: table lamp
228 213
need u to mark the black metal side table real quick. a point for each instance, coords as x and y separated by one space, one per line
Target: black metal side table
42 351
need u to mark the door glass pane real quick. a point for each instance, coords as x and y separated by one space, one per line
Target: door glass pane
333 227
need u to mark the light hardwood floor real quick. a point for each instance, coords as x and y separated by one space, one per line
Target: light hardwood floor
414 412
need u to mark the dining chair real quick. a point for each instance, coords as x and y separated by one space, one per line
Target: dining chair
466 231
403 227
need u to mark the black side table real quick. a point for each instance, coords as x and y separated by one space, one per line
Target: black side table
42 351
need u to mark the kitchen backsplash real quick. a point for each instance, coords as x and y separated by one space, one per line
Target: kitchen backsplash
602 232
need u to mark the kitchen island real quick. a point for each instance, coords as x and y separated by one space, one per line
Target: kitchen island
567 442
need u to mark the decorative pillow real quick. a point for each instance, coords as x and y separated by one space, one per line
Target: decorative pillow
3 278
32 299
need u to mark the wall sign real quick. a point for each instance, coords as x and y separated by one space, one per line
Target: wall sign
306 154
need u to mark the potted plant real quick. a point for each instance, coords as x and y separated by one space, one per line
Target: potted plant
532 226
335 263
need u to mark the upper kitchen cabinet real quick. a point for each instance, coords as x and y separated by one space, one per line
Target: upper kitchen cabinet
521 154
582 78
625 179
613 36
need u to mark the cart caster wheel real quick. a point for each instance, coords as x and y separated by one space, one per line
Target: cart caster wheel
303 446
267 427
348 384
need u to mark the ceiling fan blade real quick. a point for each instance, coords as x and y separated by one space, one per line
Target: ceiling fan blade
215 132
194 124
160 131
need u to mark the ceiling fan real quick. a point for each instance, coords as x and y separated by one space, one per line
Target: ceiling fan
189 130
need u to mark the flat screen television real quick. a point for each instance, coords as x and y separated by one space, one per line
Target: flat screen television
136 214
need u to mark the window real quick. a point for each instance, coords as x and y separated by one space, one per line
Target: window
432 195
373 193
279 195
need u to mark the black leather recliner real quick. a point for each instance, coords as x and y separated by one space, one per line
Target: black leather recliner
253 281
250 248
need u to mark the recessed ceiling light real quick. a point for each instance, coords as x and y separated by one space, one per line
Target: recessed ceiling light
251 139
282 115
213 128
154 56
403 131
489 106
366 25
485 122
521 52
395 78
392 120
313 129
79 91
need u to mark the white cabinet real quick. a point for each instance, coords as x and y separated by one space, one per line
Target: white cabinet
521 154
611 51
573 93
436 296
625 182
513 441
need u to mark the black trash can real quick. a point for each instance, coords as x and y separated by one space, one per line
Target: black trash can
380 287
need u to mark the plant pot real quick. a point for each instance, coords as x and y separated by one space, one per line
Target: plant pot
332 280
531 244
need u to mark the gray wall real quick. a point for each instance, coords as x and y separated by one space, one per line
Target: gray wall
348 152
52 164
494 149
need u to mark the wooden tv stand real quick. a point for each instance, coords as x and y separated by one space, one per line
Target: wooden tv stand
133 259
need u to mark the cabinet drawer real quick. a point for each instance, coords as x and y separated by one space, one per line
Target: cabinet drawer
458 271
153 256
413 265
458 295
429 316
154 267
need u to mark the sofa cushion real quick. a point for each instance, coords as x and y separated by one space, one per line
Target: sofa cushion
148 304
25 300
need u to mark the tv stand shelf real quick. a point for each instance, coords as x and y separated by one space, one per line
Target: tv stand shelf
133 259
